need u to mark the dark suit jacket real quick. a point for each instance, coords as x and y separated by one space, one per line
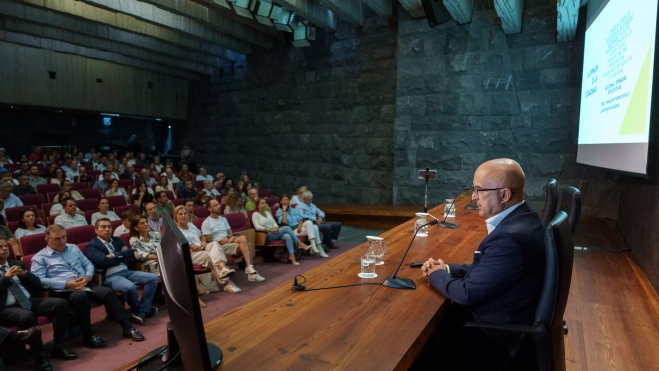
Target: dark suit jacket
31 283
503 282
97 253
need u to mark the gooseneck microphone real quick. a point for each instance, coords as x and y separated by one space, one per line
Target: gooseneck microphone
446 224
405 283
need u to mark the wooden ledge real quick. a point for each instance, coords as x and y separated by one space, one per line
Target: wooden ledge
370 216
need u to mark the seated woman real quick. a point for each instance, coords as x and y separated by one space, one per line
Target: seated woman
219 180
115 190
229 191
57 207
142 195
163 185
287 215
153 173
263 222
200 199
235 205
104 211
209 255
115 171
126 219
5 234
245 189
227 184
242 180
27 224
185 172
188 203
298 193
59 177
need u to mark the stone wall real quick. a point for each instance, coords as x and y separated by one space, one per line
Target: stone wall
321 116
468 93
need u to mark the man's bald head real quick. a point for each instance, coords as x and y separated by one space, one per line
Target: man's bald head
504 179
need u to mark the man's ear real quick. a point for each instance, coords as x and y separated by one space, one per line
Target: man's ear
506 195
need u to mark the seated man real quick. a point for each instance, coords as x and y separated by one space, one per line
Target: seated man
23 170
7 235
216 229
103 165
65 185
10 341
171 177
69 218
35 179
188 190
73 171
126 218
129 173
24 187
163 203
105 182
503 283
5 176
154 219
109 254
19 305
7 197
144 175
308 210
82 176
253 195
64 269
210 191
203 175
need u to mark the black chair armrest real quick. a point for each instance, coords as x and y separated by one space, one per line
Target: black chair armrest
519 329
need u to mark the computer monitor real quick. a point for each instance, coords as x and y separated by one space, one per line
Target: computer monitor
185 318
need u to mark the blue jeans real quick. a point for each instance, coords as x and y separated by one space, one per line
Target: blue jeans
286 234
123 281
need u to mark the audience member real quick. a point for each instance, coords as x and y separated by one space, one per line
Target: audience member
115 172
219 181
50 173
104 211
5 234
263 221
200 199
181 185
188 191
69 218
27 225
82 176
115 190
67 163
66 186
144 243
24 187
216 228
171 178
59 177
62 266
141 159
129 173
157 164
163 204
298 194
242 180
57 208
104 183
9 199
253 197
109 254
20 306
210 191
153 173
144 176
143 194
163 184
244 191
4 159
307 209
95 161
185 171
5 176
35 179
188 203
211 256
23 170
36 155
73 171
10 341
203 175
234 204
229 191
287 215
90 154
126 218
155 220
104 164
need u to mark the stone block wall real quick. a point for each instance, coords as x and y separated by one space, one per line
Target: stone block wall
468 93
321 116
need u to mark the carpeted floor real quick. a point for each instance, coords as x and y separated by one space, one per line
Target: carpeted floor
122 351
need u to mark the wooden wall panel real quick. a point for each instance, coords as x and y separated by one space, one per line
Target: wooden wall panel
24 80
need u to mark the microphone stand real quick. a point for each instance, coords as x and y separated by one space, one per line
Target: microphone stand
446 224
471 206
404 283
425 203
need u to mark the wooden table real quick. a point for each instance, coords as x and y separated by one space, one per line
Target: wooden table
368 327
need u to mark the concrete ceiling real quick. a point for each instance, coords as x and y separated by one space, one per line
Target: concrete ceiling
194 38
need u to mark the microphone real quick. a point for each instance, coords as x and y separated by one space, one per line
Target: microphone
446 224
297 286
405 283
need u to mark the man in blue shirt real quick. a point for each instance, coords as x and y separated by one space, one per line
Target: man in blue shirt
104 183
64 269
109 254
308 210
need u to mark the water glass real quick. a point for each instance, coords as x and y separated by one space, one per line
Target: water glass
449 208
368 267
421 220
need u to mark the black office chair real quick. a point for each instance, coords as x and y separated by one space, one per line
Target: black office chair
551 201
547 328
571 204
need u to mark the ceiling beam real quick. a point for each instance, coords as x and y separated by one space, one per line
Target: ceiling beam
224 8
46 32
381 7
460 10
213 18
413 7
510 12
312 11
67 48
131 23
351 11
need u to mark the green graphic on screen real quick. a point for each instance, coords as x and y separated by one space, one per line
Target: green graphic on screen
637 110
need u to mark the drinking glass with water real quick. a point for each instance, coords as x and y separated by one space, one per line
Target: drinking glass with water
368 267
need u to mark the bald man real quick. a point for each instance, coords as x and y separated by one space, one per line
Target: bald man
503 283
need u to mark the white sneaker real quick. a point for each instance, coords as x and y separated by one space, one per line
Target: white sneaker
250 269
322 254
255 277
231 287
227 272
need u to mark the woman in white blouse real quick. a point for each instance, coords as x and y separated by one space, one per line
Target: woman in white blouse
209 255
104 211
115 190
27 224
145 243
264 222
59 177
163 185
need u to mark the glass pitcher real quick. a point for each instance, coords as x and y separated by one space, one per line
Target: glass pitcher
376 247
421 220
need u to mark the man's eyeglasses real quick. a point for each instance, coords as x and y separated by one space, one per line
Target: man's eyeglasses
478 190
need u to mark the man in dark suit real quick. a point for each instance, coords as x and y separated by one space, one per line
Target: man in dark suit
503 282
10 340
20 307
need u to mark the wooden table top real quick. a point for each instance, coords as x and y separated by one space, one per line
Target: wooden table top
368 327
